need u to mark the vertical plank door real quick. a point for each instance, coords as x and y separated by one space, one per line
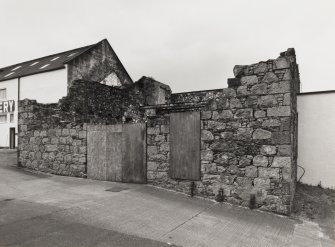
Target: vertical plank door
185 145
134 153
96 153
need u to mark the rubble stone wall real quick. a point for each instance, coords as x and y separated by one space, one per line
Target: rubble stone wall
248 137
52 137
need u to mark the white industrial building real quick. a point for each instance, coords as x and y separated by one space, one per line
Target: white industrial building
47 79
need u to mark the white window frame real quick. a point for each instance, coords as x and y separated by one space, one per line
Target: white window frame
3 122
11 118
5 94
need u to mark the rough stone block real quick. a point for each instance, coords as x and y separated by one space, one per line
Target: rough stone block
235 103
233 82
280 87
280 111
260 160
251 101
65 132
244 161
261 67
82 150
153 130
165 129
251 171
225 114
261 134
284 150
242 91
268 172
263 183
281 63
152 166
152 150
62 140
227 135
210 168
268 150
239 70
259 89
206 114
51 148
244 133
244 113
164 147
206 135
234 170
249 80
160 138
228 179
268 101
82 134
244 181
228 92
54 140
271 123
287 99
281 162
270 77
207 155
259 114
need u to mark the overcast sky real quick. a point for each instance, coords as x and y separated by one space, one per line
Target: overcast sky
188 44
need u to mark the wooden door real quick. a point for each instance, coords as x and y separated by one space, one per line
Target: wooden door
134 153
117 152
185 145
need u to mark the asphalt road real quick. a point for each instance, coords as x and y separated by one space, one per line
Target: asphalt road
46 210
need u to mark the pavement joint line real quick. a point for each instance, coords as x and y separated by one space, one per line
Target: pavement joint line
192 217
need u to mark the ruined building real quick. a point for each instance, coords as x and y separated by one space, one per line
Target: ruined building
237 144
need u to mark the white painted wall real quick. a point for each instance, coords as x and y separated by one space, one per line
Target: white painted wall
48 87
316 138
11 88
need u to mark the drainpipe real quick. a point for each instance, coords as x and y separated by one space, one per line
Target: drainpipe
17 124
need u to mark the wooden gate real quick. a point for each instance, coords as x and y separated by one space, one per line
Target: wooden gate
117 152
185 145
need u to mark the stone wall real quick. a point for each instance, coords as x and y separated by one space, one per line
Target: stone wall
52 137
248 137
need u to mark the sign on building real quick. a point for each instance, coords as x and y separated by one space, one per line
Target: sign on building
7 106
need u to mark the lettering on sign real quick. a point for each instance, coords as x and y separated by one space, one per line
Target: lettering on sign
7 106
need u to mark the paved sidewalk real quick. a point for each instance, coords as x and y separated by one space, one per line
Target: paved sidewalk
46 210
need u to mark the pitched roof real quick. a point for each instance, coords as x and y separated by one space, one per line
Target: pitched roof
42 64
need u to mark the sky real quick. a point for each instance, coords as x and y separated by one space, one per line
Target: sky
188 44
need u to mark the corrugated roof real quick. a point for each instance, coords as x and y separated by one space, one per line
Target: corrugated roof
42 64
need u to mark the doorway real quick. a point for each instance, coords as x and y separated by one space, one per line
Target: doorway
12 138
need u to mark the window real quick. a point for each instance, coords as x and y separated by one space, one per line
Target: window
34 63
11 118
3 93
54 59
72 54
16 68
9 74
44 66
3 118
